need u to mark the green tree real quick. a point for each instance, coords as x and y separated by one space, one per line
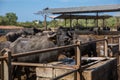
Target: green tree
11 18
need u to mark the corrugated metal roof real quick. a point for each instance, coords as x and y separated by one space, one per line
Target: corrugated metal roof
82 17
88 9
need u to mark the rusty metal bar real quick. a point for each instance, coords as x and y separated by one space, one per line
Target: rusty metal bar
114 37
43 65
90 64
65 74
41 51
2 57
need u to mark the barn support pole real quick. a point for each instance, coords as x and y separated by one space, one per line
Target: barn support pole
95 22
78 61
6 67
65 22
70 22
117 22
86 22
77 21
103 22
97 19
45 22
106 47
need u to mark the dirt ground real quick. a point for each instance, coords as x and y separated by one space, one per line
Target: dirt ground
2 38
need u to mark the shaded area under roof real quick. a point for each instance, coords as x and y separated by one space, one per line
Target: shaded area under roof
82 17
88 9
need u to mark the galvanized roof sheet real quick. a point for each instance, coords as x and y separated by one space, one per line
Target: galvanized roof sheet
88 9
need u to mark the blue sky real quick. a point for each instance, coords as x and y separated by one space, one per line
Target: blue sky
24 9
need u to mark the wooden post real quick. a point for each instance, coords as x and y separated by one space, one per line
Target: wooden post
6 66
106 47
78 61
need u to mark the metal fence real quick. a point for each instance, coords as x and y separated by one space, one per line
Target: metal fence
6 62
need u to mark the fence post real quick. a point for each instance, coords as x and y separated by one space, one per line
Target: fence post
119 50
106 47
78 61
111 40
6 65
119 43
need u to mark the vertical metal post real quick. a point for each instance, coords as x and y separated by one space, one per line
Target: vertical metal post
117 21
111 40
106 47
103 22
95 22
97 19
6 67
65 22
2 69
9 65
70 21
78 61
119 50
45 22
77 21
86 22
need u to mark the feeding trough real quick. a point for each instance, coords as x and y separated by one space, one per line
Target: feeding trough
96 68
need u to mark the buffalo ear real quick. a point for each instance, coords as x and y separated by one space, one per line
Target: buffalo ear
50 36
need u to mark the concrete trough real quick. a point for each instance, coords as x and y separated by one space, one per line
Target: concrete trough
104 69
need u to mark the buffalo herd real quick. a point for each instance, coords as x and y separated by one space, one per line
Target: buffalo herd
22 41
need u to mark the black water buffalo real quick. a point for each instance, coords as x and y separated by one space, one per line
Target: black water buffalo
36 30
5 44
12 36
89 49
106 28
67 37
31 44
43 41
